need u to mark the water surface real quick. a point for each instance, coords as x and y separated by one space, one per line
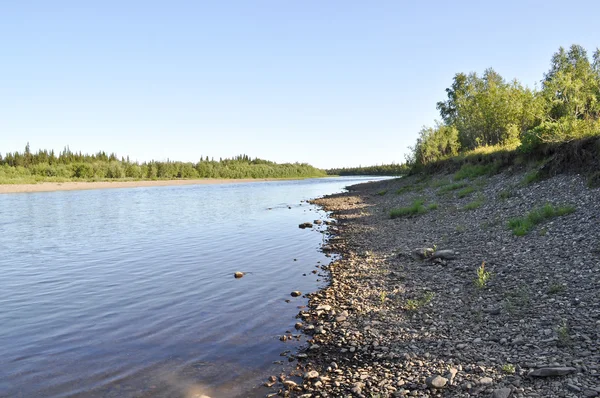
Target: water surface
130 292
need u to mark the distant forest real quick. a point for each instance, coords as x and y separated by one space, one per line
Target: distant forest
44 165
382 170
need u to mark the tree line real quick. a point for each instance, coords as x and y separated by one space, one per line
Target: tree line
380 170
67 165
488 111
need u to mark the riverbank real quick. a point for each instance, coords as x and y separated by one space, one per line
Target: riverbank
72 186
408 314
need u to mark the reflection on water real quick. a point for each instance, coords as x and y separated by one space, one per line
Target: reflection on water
130 292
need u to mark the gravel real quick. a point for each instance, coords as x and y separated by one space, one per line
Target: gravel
398 321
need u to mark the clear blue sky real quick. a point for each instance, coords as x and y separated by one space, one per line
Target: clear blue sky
332 83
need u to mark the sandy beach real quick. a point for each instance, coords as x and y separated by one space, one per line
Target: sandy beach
72 186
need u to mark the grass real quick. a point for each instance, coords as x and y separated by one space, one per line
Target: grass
594 180
517 299
556 288
413 305
417 207
465 191
440 183
508 368
382 297
505 194
411 188
531 177
564 338
471 171
453 187
381 193
522 225
483 276
474 204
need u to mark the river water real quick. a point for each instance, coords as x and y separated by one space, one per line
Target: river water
130 292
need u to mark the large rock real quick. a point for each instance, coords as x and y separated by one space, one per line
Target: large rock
296 293
313 374
443 254
238 275
423 252
501 393
305 225
553 371
436 381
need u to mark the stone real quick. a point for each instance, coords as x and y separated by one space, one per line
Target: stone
423 252
305 225
296 293
451 375
553 371
486 381
238 275
436 381
573 387
590 393
313 374
443 254
289 384
501 393
318 222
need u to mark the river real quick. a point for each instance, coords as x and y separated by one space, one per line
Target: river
130 292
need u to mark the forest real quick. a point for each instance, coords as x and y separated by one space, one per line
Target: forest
392 169
487 113
44 165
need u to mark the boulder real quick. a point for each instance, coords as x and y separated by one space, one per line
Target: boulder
443 254
501 393
553 371
423 252
436 381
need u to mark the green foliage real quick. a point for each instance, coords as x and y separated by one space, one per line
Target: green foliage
381 193
465 191
594 180
487 110
505 194
415 304
556 288
453 187
564 337
392 169
471 171
435 143
483 276
522 225
474 204
410 188
531 177
483 111
417 207
382 297
28 167
508 368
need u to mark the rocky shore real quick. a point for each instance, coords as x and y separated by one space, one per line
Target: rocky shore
448 298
